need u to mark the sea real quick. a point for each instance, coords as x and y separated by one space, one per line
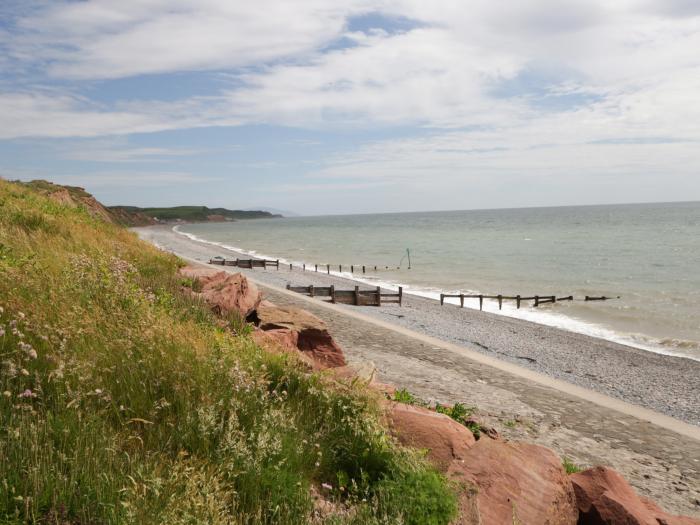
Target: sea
646 257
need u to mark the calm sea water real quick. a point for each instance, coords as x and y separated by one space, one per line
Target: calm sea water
648 254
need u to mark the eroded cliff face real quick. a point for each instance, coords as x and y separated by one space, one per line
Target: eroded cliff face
75 196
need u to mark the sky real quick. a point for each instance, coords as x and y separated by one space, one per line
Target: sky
354 106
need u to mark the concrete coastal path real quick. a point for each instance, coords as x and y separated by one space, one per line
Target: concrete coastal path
658 454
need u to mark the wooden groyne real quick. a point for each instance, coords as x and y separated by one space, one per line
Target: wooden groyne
537 299
357 297
265 263
246 263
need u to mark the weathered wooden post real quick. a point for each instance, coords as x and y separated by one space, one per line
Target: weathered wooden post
537 300
363 268
303 267
311 290
278 265
442 299
237 262
340 268
332 293
481 302
290 267
400 295
289 286
379 295
357 295
316 269
461 300
328 269
375 268
500 301
352 268
517 300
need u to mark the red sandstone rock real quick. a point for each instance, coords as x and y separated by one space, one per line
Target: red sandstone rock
313 338
515 483
446 440
604 497
282 340
226 292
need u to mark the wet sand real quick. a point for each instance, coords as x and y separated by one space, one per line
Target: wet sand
513 371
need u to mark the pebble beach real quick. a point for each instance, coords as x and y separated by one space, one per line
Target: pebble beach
666 384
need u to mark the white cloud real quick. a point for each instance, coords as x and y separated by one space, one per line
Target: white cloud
106 39
483 77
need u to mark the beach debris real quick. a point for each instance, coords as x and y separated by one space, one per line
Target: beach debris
603 496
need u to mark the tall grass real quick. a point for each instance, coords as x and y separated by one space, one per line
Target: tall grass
124 400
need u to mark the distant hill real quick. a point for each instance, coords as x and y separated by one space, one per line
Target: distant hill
193 213
135 216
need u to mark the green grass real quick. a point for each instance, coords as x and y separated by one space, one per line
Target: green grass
123 400
570 467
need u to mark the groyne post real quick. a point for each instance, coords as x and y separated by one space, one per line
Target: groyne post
303 267
277 263
363 268
316 267
537 300
311 290
517 301
352 268
400 295
357 295
442 299
379 295
328 269
461 300
481 302
340 268
332 293
500 302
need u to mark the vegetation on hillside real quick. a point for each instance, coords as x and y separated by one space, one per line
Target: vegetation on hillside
194 213
123 400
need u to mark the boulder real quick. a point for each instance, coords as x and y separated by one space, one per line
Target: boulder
225 292
313 338
514 483
446 440
281 340
604 497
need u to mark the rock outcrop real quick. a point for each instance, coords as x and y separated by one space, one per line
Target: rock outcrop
445 440
313 338
515 483
604 497
226 292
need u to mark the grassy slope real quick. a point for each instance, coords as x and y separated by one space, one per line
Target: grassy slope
121 401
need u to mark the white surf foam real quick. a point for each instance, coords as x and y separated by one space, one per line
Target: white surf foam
540 316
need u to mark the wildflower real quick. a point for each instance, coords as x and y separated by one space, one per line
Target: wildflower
2 331
27 394
20 315
98 391
24 372
327 486
2 310
32 354
318 464
7 393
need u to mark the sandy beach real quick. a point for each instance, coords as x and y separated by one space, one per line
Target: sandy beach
431 351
